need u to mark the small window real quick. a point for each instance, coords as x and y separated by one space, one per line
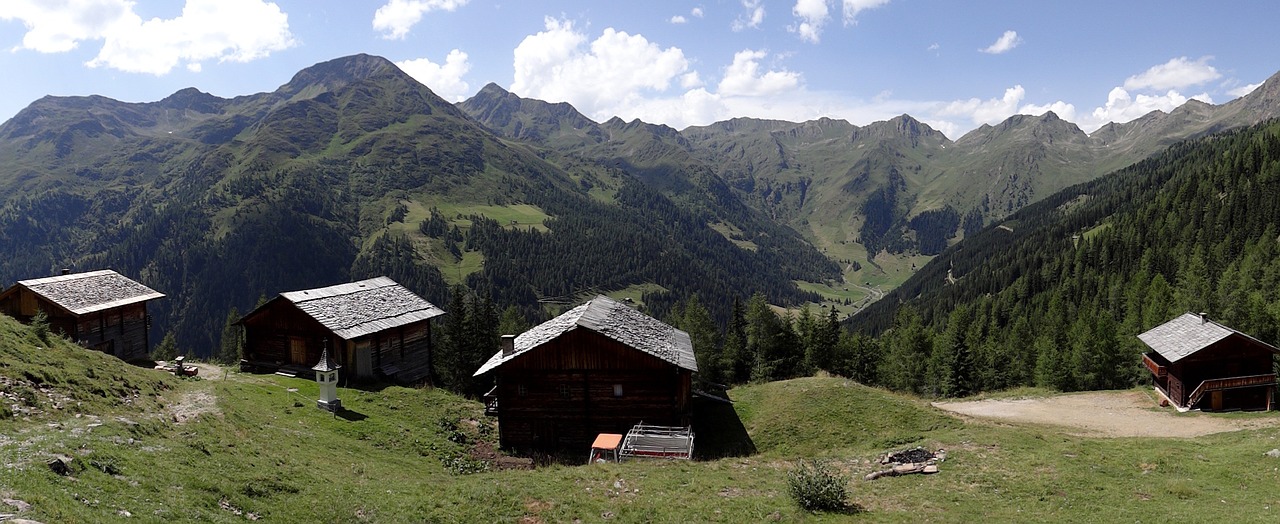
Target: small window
521 390
564 391
617 390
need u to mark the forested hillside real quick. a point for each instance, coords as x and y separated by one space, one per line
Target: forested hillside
1055 294
353 170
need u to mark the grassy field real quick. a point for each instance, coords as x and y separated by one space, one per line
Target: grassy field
228 447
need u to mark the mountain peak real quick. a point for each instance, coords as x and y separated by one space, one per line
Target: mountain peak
333 74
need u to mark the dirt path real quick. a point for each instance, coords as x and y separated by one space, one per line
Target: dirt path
1106 414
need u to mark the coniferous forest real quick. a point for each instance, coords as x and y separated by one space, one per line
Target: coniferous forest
341 173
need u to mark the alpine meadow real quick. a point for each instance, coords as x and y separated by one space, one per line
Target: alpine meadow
816 296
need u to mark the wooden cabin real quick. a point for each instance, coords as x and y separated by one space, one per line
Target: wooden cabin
1197 363
375 329
100 310
602 367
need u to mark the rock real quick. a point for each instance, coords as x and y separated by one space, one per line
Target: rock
1275 453
21 505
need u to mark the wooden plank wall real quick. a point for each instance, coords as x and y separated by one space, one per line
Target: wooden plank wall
118 331
561 395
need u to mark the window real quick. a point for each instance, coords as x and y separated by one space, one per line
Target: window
617 390
520 390
564 391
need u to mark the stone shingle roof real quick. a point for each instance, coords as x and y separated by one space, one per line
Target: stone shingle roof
612 319
82 293
360 308
1187 334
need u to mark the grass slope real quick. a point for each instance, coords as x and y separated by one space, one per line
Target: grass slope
229 446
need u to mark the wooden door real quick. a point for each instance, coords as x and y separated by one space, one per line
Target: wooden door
1217 400
297 350
364 359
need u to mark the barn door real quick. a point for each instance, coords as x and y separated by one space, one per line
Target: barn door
297 350
364 359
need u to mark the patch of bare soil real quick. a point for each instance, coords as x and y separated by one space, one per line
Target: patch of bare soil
1105 414
193 404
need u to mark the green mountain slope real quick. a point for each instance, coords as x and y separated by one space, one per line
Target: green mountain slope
880 198
1055 293
334 177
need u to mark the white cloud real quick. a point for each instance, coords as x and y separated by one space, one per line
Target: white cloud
445 79
616 71
696 12
234 30
744 78
677 19
1122 106
934 47
812 15
206 30
1064 110
853 7
1004 44
1177 73
752 18
990 111
1244 90
398 16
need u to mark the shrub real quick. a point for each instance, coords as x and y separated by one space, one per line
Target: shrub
815 486
40 326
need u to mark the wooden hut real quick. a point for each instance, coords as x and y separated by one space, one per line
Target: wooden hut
602 367
374 328
1198 363
100 310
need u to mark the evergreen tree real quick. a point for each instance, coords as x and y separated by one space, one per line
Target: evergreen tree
696 321
232 343
907 346
450 360
512 322
167 349
738 361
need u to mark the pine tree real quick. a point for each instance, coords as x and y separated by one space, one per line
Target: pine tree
696 321
737 359
168 348
232 342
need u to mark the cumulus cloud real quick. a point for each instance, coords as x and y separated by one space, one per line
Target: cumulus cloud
990 111
1177 73
1244 90
812 15
443 79
752 18
398 16
853 7
744 78
696 12
1123 106
1004 44
616 70
223 30
678 19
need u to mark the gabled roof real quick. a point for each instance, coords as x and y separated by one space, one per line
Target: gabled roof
82 293
612 319
360 308
1189 333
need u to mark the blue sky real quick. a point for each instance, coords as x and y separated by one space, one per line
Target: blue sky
953 65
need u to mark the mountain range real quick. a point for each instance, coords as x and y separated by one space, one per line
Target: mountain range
353 169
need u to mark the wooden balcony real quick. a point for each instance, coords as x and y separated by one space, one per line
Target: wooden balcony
1219 384
1156 369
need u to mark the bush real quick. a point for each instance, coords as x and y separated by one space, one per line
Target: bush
40 326
815 486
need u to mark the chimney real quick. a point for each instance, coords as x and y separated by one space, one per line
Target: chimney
1204 317
508 345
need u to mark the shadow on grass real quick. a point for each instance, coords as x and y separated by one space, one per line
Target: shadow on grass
719 431
350 416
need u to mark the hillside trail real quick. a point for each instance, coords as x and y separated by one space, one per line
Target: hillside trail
199 397
1129 413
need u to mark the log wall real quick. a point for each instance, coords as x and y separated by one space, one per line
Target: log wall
562 394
